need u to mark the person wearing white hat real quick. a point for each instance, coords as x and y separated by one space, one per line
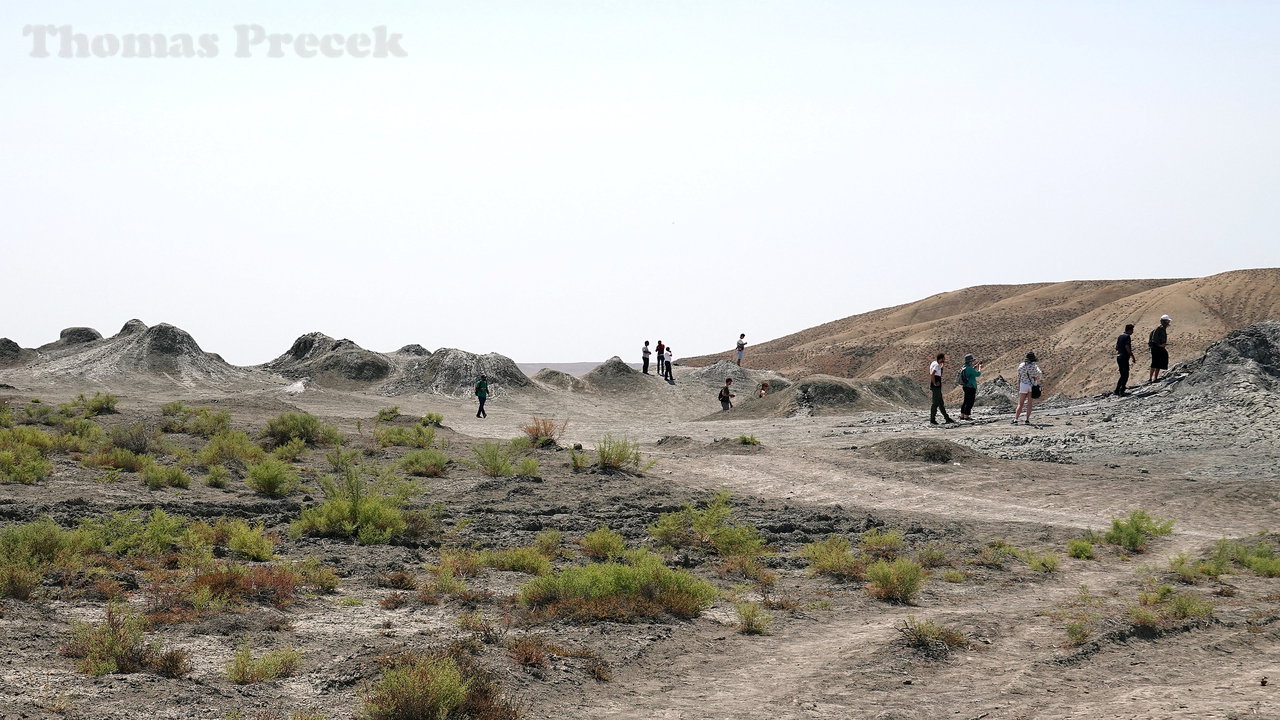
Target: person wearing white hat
1159 355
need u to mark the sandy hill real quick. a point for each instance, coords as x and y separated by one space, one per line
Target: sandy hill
1070 325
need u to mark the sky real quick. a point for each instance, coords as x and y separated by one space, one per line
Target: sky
559 181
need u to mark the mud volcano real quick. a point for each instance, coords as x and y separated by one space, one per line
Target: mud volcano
330 361
614 375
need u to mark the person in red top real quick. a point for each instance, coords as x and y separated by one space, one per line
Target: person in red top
659 349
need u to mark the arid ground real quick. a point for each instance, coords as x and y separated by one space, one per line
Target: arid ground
987 508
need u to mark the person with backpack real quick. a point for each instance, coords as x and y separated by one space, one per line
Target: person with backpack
1124 355
644 357
742 347
659 350
1159 355
935 386
482 392
968 380
726 395
1029 377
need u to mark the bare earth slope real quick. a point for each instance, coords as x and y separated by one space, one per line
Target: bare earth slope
1070 325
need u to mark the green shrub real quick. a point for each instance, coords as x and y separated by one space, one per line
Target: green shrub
752 619
954 576
931 638
273 477
317 576
603 544
126 533
896 581
1045 562
520 444
342 460
20 463
708 528
526 560
644 588
417 436
200 421
35 544
303 426
425 463
18 581
881 544
748 440
6 416
1133 533
118 646
1162 607
579 460
527 468
218 477
249 541
352 508
157 476
433 419
244 669
834 557
290 451
996 554
547 543
138 438
422 687
613 453
932 556
79 435
230 447
37 413
99 404
493 459
119 458
1080 549
544 431
387 414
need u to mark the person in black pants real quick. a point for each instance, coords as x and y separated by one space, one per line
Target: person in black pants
482 392
644 357
969 374
935 385
1124 356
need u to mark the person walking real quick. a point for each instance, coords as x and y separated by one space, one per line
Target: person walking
726 395
660 349
1159 354
666 363
969 383
935 386
644 357
1124 356
1029 377
742 347
482 392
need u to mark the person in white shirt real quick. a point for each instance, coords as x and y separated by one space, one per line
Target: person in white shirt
742 347
1029 377
644 357
935 386
666 361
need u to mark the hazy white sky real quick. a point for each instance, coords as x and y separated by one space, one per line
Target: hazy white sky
558 181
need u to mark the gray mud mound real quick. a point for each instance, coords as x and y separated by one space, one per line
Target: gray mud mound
558 380
674 441
133 327
744 381
997 394
827 395
912 449
331 362
11 354
414 350
161 351
453 372
1244 362
72 336
613 375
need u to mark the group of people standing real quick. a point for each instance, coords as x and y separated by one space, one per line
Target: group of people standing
664 359
1156 342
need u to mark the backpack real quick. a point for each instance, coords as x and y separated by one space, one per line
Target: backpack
960 378
724 394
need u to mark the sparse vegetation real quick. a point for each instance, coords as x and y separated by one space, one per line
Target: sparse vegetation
416 436
708 528
432 419
614 453
752 619
748 440
603 544
896 581
157 476
834 557
525 560
425 463
205 422
273 477
1136 531
1161 608
118 645
528 468
493 459
387 414
302 426
23 452
579 460
881 544
1045 562
931 638
353 508
435 686
1080 549
230 447
245 669
544 432
641 587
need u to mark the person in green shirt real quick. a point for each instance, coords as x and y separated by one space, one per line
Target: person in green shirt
969 383
482 392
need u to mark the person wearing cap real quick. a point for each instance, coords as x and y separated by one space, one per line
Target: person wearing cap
969 383
1159 355
1124 355
1029 376
482 393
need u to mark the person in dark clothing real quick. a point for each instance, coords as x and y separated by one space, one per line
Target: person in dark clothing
1159 355
660 349
666 363
969 382
482 392
644 357
935 385
1124 356
726 395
